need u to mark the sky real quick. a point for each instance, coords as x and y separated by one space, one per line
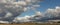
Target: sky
29 10
44 5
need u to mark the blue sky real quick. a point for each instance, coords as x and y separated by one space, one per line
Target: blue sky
44 5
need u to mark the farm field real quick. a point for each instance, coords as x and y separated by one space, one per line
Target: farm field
33 24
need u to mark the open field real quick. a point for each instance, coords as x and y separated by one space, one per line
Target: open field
33 24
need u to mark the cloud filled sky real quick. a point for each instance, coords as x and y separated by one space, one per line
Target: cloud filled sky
28 10
48 9
44 5
9 9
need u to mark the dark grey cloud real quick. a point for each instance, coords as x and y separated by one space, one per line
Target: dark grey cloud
8 10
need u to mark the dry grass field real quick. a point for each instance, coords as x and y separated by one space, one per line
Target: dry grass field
33 24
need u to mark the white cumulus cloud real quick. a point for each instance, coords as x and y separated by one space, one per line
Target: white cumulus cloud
53 12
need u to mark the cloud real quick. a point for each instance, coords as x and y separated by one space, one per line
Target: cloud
8 14
22 19
4 22
49 14
9 9
53 12
25 9
28 18
38 13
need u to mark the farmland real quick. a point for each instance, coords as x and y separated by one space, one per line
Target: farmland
33 24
